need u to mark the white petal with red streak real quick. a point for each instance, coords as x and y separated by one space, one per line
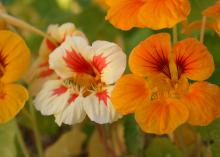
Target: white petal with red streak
57 61
98 111
114 58
48 103
73 113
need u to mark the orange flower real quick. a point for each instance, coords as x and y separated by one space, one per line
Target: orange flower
155 14
14 61
158 91
213 14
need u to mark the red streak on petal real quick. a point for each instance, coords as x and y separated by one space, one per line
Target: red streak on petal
99 63
2 95
50 45
44 64
46 73
103 96
59 91
72 98
77 63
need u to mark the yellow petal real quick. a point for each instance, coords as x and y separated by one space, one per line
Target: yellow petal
203 102
161 116
14 56
12 100
129 92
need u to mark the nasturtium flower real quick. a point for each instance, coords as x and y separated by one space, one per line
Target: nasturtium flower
154 14
86 78
158 91
40 71
14 61
213 20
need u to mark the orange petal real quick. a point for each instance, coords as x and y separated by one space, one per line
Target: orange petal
196 25
14 57
213 11
161 116
193 60
129 92
151 56
203 102
12 100
123 14
158 14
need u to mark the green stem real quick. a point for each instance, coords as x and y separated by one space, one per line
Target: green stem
21 142
175 34
36 131
202 33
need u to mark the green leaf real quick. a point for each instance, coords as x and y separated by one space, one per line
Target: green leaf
133 136
7 139
211 136
162 147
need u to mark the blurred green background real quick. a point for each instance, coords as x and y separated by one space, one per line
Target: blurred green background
90 18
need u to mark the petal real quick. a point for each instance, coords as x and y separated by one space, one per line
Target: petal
203 102
14 57
36 85
123 14
38 74
151 56
213 11
188 28
52 98
157 14
161 116
58 33
70 57
129 92
193 59
73 113
99 108
109 59
12 101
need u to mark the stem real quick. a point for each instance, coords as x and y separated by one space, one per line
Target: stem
208 152
103 138
175 34
36 131
23 25
21 142
202 33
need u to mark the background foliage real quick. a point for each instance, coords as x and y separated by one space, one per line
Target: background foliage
82 140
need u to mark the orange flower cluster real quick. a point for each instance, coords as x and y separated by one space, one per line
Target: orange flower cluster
159 91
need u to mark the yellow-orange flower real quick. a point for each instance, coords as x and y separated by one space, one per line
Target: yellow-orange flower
155 14
158 91
213 22
14 61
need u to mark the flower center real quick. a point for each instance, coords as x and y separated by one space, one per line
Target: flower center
87 73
